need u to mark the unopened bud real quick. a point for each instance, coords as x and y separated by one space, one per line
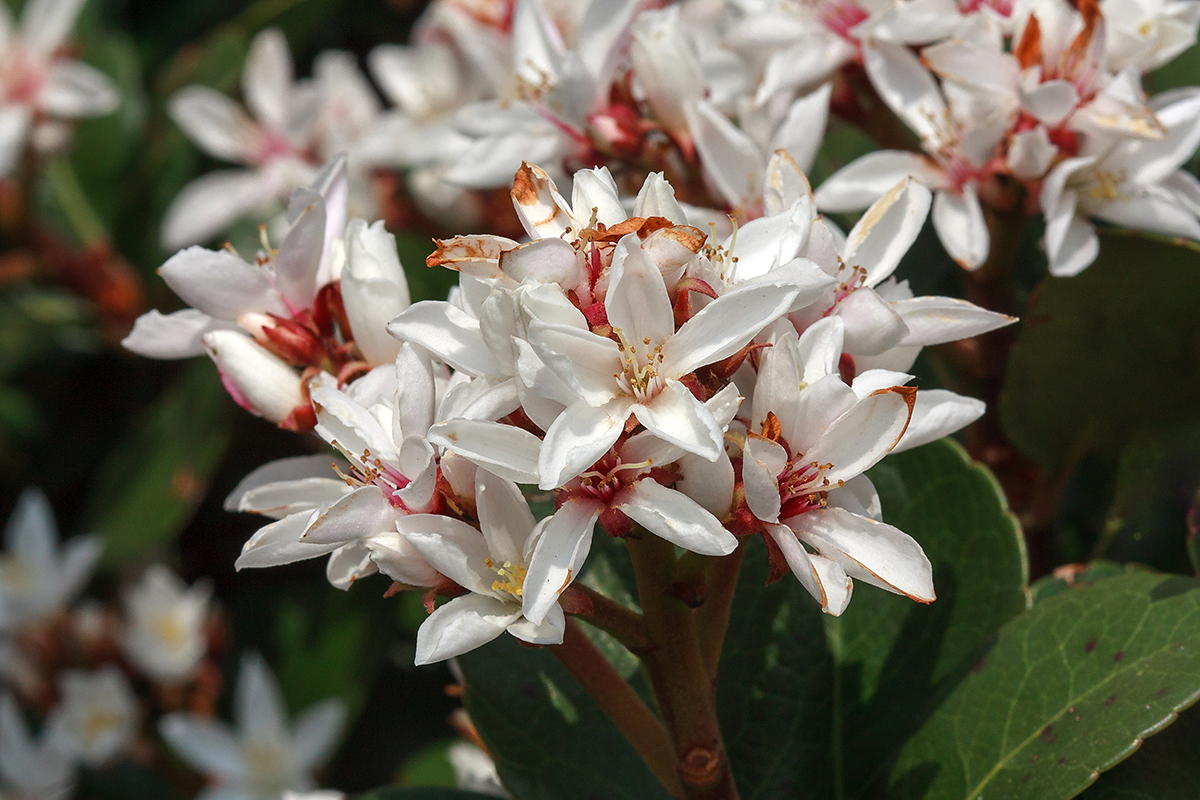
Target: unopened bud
257 380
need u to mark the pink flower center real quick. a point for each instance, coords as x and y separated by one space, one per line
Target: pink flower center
802 486
839 18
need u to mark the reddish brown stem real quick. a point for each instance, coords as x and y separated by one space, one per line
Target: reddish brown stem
712 618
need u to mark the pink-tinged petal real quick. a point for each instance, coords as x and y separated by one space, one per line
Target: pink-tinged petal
219 284
210 204
170 336
725 326
205 744
826 582
508 451
348 564
762 462
316 732
544 260
869 551
449 333
858 439
340 419
864 180
550 631
562 545
708 483
637 302
279 543
258 706
1030 153
802 131
581 434
399 560
542 210
938 413
936 320
676 518
461 625
786 182
958 220
907 87
364 512
677 417
821 402
74 89
585 362
889 227
1071 242
871 325
452 547
731 159
657 199
504 517
214 122
267 78
257 380
299 256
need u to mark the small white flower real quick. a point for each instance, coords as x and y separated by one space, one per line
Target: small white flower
97 715
165 620
265 755
474 770
29 769
36 577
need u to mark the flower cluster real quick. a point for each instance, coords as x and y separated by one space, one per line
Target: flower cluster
657 380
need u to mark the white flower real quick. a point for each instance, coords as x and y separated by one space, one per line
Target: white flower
97 715
265 755
165 622
811 438
1148 33
38 579
38 82
491 564
30 770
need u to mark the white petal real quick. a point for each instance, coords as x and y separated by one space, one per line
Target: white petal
730 157
869 551
585 362
786 182
542 210
215 122
258 703
316 731
219 284
858 439
676 416
74 89
14 128
958 220
340 419
449 333
676 518
637 303
581 434
889 227
506 450
399 560
174 335
1071 242
938 413
803 127
708 483
299 255
267 78
461 625
204 743
725 326
562 546
45 24
864 180
821 402
504 516
452 547
256 379
550 631
936 320
871 325
907 87
825 581
362 513
762 462
210 204
279 543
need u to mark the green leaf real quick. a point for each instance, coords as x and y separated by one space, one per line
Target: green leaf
1074 575
150 485
429 766
547 736
316 662
1164 768
1069 689
816 706
422 793
1107 352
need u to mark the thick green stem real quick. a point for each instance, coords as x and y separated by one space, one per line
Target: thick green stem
678 674
617 699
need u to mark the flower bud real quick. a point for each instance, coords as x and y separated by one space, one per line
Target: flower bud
258 381
374 289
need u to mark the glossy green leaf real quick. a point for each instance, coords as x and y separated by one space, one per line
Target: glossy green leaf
1069 689
1107 352
1071 576
818 706
148 488
1164 768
